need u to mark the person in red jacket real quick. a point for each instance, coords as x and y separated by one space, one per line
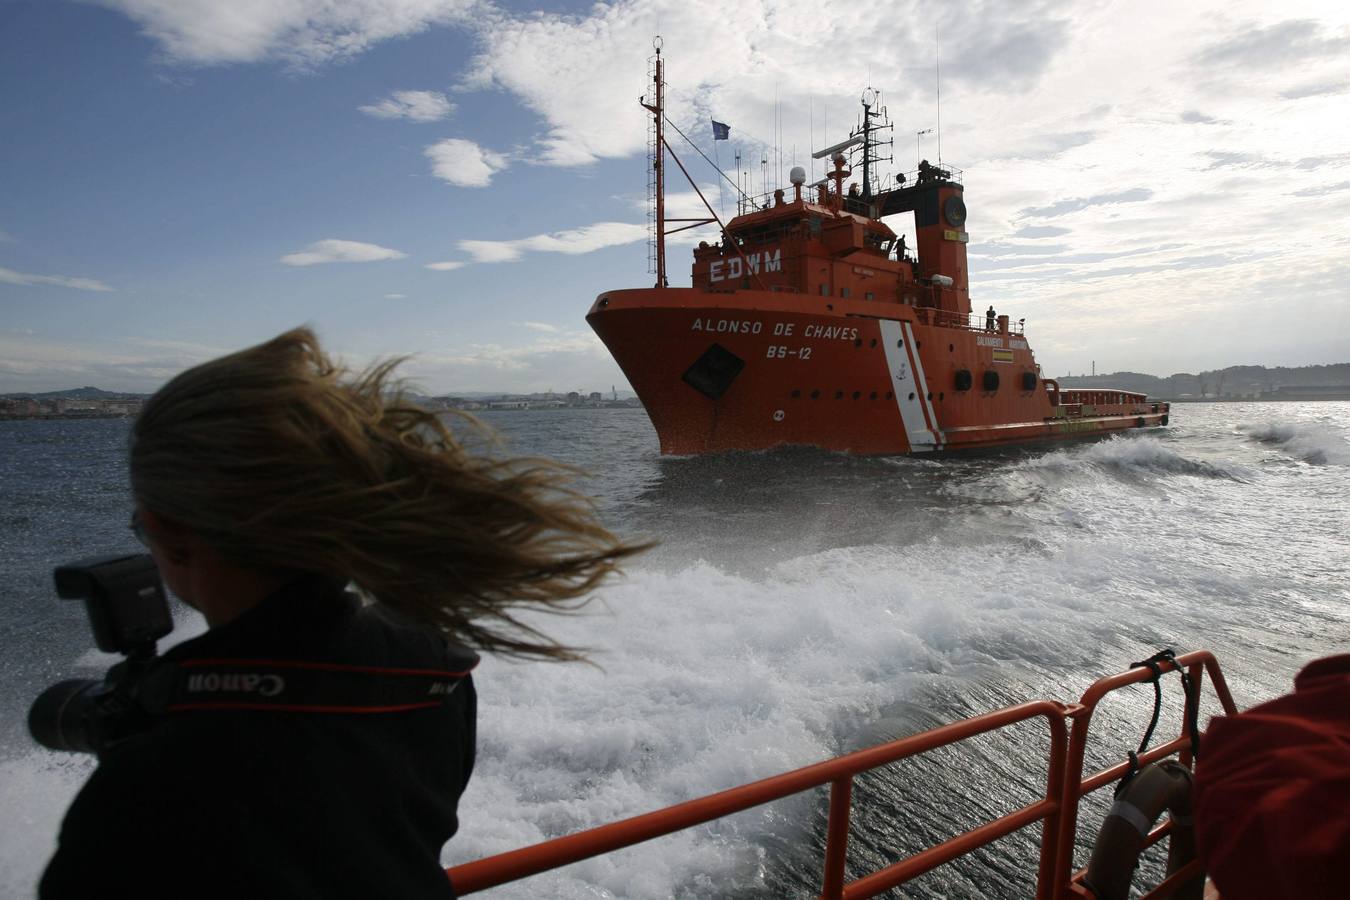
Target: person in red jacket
1273 792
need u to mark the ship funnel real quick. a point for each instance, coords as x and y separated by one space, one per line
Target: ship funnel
797 175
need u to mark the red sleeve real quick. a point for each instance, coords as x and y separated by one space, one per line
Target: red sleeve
1273 792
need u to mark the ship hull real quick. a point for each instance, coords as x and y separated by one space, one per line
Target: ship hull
750 370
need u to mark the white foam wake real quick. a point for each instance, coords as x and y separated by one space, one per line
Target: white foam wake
1316 443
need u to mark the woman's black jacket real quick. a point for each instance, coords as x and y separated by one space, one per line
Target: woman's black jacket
245 803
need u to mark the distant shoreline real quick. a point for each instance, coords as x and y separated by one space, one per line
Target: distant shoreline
64 417
1335 398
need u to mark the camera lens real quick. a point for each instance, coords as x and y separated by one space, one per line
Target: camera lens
59 717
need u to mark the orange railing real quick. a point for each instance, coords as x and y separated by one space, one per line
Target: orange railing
929 315
1077 787
1065 786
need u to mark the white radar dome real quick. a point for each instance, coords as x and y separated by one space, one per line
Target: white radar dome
797 175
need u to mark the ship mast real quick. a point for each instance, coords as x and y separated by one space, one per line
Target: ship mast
871 110
656 180
658 163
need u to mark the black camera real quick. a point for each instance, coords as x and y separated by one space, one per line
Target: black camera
124 598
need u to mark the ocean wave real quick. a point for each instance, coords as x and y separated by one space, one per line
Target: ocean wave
1318 444
1143 453
1139 459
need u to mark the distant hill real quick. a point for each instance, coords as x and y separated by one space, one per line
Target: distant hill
84 393
1234 381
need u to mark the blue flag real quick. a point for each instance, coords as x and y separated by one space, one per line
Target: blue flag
721 132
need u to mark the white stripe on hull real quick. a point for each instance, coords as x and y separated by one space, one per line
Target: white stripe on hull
922 380
907 390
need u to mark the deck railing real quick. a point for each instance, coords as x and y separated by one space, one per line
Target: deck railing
1065 785
970 321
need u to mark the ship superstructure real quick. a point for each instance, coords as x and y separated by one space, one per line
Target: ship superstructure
811 322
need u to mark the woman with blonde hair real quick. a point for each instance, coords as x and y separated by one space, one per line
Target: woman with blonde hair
348 554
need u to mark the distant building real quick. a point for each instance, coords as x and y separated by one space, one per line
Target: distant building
595 397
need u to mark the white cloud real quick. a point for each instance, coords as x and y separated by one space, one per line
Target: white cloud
9 276
333 250
446 266
740 74
417 106
541 326
491 251
572 242
464 163
34 363
527 367
395 296
303 33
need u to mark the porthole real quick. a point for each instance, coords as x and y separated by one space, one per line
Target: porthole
930 395
839 395
911 395
918 345
951 348
941 396
900 342
873 343
890 396
796 394
872 396
857 342
815 395
857 394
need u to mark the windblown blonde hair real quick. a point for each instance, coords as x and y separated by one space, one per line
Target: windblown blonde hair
283 460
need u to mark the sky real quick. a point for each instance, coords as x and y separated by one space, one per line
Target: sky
1154 187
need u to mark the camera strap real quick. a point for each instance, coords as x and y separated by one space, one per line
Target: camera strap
293 686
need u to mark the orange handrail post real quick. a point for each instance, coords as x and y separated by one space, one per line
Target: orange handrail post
836 843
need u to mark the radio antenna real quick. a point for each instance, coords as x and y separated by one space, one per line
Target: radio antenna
937 66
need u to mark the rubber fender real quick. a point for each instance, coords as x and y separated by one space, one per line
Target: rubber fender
963 379
991 380
1139 422
1164 420
1115 855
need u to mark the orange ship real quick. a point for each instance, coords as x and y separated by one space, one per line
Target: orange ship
811 323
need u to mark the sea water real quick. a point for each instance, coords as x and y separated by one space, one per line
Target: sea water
799 604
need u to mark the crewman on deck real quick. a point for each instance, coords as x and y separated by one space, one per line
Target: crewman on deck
989 317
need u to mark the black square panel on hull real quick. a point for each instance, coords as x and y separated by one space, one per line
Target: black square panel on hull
714 371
